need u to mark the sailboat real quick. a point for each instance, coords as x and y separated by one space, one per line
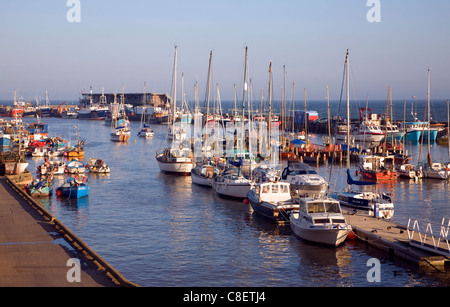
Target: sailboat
205 171
178 158
432 169
144 129
379 206
120 125
231 182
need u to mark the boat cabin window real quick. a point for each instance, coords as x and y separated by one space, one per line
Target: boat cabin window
332 207
275 188
284 189
323 207
265 189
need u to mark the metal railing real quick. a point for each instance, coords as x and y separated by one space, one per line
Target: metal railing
429 236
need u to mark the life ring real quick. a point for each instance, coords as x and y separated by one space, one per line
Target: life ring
82 181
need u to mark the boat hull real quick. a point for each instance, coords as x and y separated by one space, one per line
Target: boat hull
199 179
325 236
180 168
74 192
230 189
278 212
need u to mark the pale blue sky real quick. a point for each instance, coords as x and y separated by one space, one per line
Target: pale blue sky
129 42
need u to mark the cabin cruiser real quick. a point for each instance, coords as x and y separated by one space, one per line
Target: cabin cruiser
320 221
304 180
272 200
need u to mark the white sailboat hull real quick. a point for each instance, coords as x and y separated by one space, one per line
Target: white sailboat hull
233 189
183 167
201 180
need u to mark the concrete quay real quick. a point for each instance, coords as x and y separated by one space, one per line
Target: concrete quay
393 239
37 250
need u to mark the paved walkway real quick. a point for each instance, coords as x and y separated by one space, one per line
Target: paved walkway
33 253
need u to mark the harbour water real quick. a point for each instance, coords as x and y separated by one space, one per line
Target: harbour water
162 230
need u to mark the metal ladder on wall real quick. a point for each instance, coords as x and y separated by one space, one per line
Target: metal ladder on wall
432 237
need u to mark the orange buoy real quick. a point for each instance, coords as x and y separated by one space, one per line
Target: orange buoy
351 235
246 201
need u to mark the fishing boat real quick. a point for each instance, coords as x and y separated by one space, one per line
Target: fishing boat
304 180
120 125
320 221
73 188
75 167
369 129
51 167
232 183
146 131
273 200
377 167
95 165
40 188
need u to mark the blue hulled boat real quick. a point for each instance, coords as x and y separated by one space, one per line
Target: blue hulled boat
73 188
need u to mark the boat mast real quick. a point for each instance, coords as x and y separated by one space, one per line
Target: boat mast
428 118
209 87
270 105
293 102
245 83
328 109
174 86
348 110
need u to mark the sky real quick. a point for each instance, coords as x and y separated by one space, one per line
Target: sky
126 43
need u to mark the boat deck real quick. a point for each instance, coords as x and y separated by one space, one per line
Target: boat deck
35 248
393 239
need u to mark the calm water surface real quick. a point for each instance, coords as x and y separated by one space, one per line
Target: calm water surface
161 230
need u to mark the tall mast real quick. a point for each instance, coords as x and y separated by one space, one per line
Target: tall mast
270 100
174 85
328 111
347 60
428 116
293 101
209 86
306 120
245 82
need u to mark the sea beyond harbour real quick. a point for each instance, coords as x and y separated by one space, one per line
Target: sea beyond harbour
160 230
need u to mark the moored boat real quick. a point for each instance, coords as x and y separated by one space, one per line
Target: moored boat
231 183
320 221
40 188
95 165
73 188
273 200
304 180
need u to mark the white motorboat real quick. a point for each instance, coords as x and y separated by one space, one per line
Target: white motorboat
273 200
304 180
52 167
320 221
232 184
